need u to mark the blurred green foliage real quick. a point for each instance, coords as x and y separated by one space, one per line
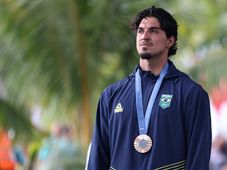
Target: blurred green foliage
59 55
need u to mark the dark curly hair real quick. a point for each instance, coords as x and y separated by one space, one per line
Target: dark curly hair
166 20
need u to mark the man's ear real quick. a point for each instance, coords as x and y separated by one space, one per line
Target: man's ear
170 41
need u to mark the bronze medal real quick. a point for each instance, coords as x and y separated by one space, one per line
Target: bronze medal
143 143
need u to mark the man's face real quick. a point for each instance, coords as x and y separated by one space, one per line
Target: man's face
151 40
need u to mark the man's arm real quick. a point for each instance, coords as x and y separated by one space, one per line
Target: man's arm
99 158
198 130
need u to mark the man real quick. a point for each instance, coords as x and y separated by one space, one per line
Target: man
157 118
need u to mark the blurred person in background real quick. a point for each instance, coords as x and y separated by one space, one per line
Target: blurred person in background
218 159
7 161
58 152
20 156
157 117
219 126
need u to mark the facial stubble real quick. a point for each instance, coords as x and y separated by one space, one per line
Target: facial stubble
145 55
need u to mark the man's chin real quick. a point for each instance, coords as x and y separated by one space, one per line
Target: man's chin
145 56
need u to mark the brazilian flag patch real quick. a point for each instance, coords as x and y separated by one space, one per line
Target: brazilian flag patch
165 100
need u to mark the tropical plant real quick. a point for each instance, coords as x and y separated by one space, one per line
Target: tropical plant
58 55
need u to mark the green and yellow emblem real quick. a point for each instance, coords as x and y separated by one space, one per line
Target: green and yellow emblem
165 101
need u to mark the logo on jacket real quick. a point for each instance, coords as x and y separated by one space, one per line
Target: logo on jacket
118 108
165 100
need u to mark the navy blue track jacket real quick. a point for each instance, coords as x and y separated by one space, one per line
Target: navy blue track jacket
180 129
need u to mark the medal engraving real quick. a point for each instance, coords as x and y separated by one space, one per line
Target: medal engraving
142 143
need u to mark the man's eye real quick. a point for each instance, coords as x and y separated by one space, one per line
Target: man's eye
140 30
154 31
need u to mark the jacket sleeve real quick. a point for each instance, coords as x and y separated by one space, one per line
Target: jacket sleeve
198 129
99 158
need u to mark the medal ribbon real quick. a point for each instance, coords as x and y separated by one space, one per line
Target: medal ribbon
144 121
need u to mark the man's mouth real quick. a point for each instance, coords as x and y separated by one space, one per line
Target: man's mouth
146 44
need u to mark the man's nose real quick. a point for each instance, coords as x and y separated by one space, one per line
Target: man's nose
146 35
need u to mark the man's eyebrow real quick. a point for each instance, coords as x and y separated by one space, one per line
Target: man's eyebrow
154 28
149 27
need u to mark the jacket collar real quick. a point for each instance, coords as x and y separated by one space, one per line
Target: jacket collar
173 72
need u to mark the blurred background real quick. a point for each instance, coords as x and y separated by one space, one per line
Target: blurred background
56 57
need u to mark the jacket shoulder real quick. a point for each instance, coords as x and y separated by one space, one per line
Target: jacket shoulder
118 86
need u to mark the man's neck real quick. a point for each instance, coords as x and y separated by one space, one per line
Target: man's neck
152 65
